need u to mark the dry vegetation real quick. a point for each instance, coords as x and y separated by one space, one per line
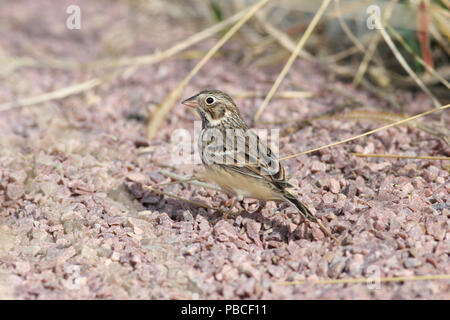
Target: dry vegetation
89 195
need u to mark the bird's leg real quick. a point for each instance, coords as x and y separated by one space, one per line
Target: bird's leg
225 215
261 205
307 214
235 199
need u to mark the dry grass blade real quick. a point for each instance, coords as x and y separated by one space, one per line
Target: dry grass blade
164 108
368 132
365 62
328 64
341 55
370 280
417 58
57 94
446 3
292 58
9 64
345 27
349 103
437 129
327 232
134 62
279 95
399 156
159 56
371 49
282 38
407 68
374 116
187 180
429 78
182 179
441 27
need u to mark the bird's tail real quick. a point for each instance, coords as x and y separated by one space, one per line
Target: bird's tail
304 211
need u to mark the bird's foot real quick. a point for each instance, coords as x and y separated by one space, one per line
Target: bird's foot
229 211
261 205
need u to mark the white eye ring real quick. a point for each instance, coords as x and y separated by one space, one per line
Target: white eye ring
210 100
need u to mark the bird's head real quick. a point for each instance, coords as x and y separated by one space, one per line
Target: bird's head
216 108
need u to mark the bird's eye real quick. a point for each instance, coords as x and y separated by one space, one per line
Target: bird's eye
210 101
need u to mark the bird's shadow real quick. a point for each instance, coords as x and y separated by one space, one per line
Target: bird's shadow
280 230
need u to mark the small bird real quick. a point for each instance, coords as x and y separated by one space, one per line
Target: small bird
236 158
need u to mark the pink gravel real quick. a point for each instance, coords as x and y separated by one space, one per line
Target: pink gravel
77 223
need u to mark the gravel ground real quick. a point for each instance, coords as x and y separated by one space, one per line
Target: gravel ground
77 223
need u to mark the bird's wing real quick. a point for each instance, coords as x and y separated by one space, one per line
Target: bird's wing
245 153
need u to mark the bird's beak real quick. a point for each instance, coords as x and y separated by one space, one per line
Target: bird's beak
191 102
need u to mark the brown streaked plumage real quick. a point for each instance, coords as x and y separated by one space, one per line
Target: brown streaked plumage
245 171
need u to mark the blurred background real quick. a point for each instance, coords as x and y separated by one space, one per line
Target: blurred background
113 34
90 97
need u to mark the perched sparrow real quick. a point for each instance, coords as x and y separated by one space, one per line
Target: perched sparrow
236 158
